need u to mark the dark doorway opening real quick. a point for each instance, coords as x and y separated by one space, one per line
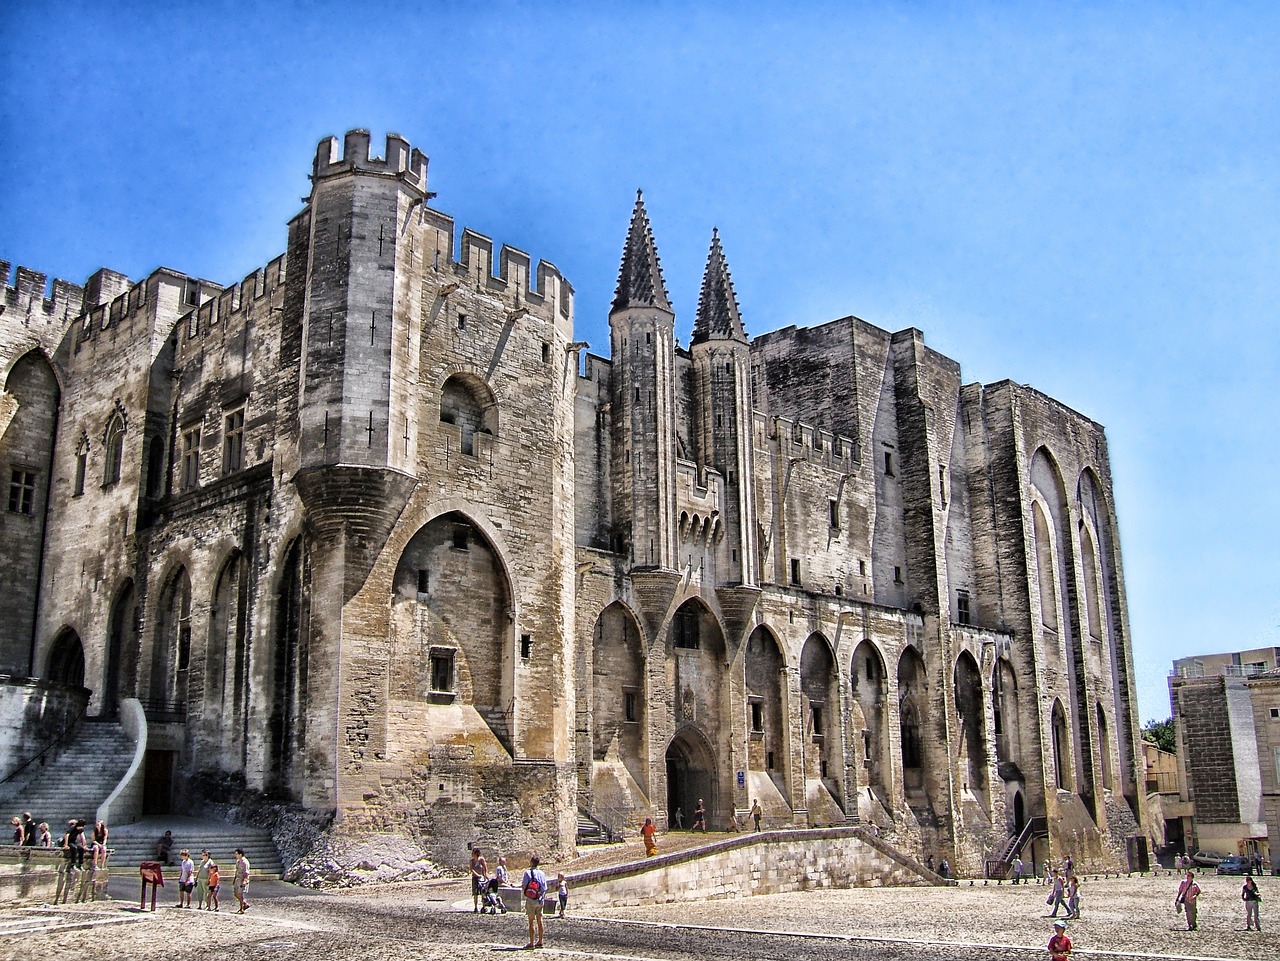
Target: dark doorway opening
157 782
1019 813
690 777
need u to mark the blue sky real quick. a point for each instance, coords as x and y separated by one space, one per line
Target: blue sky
1080 196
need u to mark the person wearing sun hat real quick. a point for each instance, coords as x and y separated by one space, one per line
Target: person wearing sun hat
1059 944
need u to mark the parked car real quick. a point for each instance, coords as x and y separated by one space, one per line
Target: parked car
1233 864
1207 859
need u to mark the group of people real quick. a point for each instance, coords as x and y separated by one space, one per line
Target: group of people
1188 900
205 881
486 891
82 869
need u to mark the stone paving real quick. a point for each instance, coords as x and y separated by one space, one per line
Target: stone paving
1124 917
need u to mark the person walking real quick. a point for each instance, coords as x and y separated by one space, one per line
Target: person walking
562 892
1073 897
647 832
1059 944
1017 870
1188 895
757 812
700 817
202 881
1249 894
1056 896
534 887
479 878
186 878
215 884
1048 872
240 881
679 819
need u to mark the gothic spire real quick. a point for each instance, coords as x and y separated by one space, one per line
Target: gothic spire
718 317
640 282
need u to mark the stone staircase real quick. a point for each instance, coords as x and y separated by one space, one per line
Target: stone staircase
591 831
131 844
73 782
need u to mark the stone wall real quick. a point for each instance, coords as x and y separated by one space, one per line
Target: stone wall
33 714
768 863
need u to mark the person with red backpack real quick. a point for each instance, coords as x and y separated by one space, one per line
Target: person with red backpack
534 886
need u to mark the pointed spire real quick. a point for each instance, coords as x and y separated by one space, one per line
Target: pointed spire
718 317
640 282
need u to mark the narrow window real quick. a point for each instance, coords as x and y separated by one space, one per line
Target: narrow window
546 353
630 706
897 575
833 514
862 568
839 590
462 321
22 491
424 580
888 464
687 630
757 717
190 458
461 539
526 646
795 571
648 337
871 671
442 670
728 368
768 760
82 465
962 607
815 717
942 485
233 441
115 451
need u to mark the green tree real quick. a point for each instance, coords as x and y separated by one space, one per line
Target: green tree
1160 733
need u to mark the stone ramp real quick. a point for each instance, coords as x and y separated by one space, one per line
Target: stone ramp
769 862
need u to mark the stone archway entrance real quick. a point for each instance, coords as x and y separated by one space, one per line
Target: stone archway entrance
691 774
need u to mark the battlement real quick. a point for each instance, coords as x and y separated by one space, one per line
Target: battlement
699 500
30 299
402 161
223 307
474 262
797 439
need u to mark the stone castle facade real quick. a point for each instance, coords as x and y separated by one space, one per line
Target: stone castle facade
371 533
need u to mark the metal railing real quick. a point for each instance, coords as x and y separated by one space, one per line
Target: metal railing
165 712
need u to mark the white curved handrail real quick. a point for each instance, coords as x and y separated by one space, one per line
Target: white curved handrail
124 804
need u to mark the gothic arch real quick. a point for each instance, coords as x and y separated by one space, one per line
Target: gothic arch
970 710
171 647
120 670
1005 713
1061 737
467 403
618 690
765 668
692 774
869 683
279 670
452 622
911 705
226 689
822 740
66 659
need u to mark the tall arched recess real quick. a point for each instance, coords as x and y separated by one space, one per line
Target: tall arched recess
66 659
822 744
869 684
973 741
1094 506
912 700
696 673
120 671
766 738
452 632
26 455
283 671
618 695
226 687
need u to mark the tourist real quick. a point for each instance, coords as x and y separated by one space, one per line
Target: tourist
562 892
100 877
1249 894
28 829
1188 894
534 887
1017 870
1059 944
163 847
679 819
100 835
215 884
16 823
1048 872
1067 865
1056 896
202 880
78 843
500 873
734 825
650 843
700 817
186 879
240 881
757 812
479 878
1073 897
928 862
1177 862
44 839
944 868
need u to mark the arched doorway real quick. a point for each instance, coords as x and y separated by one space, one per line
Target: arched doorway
1019 813
66 659
691 775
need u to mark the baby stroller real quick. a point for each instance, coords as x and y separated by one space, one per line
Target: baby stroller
492 902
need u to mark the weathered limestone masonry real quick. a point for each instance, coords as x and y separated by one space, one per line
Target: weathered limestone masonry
769 863
369 537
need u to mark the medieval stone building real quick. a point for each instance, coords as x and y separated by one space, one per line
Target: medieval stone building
370 533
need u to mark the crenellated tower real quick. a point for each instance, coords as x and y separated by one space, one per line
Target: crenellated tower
722 381
642 331
364 241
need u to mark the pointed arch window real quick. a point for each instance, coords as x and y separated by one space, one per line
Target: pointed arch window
114 450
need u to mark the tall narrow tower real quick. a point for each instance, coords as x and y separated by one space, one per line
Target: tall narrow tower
723 404
642 326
